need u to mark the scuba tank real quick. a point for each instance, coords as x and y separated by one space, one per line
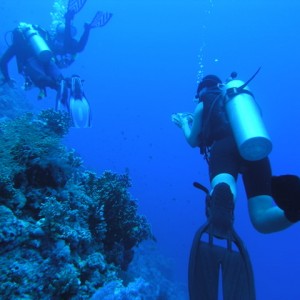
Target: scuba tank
37 43
246 121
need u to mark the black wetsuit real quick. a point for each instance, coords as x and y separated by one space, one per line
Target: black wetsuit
224 155
42 74
66 49
225 158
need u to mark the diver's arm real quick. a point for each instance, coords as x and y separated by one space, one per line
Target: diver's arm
6 57
192 133
68 40
84 38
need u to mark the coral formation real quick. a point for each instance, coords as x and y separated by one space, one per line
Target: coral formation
64 230
148 277
12 102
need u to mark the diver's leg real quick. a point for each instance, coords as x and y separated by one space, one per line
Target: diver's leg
53 71
59 83
224 164
264 215
224 178
36 72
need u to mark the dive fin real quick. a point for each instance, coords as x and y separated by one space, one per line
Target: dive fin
78 105
286 193
62 95
207 260
286 190
80 112
100 19
75 6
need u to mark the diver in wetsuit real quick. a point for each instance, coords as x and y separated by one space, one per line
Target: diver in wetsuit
63 42
35 62
33 57
211 129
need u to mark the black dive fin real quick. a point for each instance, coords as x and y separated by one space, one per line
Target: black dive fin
207 260
100 19
286 191
75 6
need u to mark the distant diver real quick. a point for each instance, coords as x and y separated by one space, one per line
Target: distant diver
35 62
63 43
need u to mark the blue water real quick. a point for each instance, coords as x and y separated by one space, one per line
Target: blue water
142 67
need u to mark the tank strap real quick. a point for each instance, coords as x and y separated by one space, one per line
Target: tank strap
205 122
230 93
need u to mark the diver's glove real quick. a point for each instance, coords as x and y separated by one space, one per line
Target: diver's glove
286 194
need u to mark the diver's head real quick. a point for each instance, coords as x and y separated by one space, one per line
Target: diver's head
208 83
60 31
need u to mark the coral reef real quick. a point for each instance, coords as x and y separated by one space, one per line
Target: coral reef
148 277
65 232
13 102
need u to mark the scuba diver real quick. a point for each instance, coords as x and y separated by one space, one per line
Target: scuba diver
227 127
35 62
63 43
34 58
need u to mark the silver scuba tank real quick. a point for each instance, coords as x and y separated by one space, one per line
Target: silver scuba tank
38 44
246 122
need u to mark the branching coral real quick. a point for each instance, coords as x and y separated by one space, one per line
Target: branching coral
65 229
55 121
125 228
31 155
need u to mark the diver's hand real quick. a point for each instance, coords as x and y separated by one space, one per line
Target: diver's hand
181 119
176 120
